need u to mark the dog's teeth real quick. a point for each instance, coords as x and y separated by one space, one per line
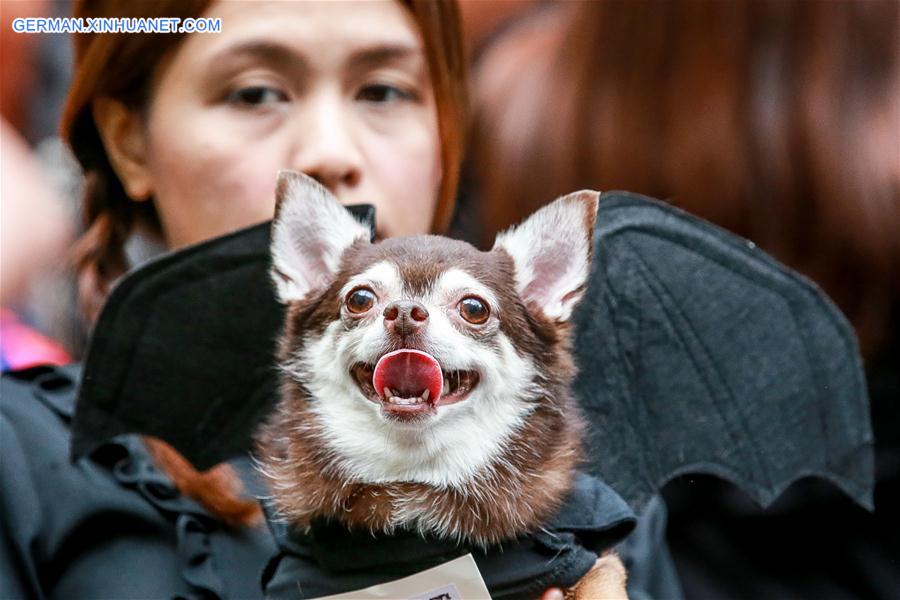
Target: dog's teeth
446 387
393 397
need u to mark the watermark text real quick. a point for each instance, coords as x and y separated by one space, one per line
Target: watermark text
116 25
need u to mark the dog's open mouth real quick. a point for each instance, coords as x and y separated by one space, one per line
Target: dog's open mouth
410 383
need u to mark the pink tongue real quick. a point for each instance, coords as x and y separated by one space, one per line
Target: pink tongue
409 373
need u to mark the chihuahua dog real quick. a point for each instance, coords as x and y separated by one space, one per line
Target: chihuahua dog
425 382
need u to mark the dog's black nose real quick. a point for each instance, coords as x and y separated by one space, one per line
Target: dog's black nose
405 317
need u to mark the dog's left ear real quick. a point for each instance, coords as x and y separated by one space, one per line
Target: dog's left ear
310 233
551 251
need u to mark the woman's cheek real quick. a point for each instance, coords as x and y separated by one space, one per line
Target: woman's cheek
211 188
409 178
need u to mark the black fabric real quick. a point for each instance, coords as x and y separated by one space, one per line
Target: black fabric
700 353
109 525
813 542
184 350
330 559
645 554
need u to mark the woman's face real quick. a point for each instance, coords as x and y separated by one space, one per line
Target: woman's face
338 90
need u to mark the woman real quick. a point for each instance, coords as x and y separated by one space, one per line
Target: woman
314 88
180 137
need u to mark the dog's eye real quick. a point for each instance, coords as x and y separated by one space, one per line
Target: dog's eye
474 310
360 300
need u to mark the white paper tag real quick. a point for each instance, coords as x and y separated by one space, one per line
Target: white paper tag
458 579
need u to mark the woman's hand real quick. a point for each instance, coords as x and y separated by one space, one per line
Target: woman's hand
552 594
605 581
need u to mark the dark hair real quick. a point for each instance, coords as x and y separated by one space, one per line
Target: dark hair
777 119
122 67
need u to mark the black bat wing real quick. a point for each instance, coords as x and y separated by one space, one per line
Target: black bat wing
698 353
184 350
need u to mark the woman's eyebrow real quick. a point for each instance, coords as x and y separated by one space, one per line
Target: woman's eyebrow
373 56
264 51
363 58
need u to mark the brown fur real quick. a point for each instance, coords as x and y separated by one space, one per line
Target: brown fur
519 491
515 494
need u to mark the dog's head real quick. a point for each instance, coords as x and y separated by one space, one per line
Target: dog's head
418 358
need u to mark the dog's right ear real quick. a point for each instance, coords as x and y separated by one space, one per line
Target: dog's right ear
310 233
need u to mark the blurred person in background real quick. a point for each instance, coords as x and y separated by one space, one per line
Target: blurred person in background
779 120
18 61
36 226
484 19
36 231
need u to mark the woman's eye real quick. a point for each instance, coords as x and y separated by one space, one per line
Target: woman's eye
380 93
474 310
255 95
360 300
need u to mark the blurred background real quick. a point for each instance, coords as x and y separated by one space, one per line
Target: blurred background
776 119
39 190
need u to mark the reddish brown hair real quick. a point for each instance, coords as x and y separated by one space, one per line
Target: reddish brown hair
122 67
439 22
777 119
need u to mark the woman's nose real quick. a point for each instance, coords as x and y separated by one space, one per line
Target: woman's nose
325 147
